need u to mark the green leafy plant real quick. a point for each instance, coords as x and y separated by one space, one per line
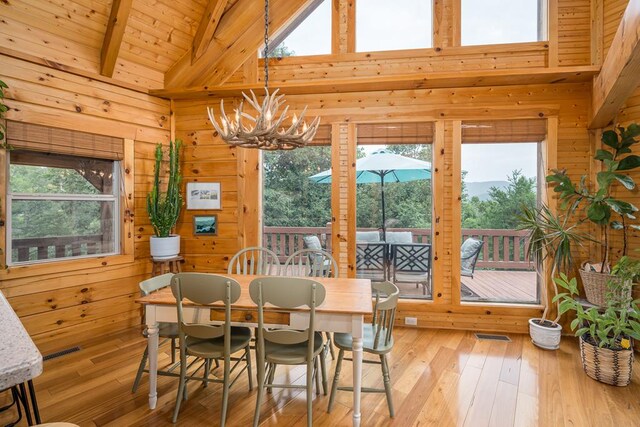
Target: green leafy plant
611 327
599 203
551 237
164 207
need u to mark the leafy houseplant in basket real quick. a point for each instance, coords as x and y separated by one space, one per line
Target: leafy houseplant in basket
164 207
606 333
551 238
602 205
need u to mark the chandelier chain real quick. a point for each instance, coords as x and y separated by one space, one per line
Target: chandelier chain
266 44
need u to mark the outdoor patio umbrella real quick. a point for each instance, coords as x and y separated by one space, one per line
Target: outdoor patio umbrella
383 166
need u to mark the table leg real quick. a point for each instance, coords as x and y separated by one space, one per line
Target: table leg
34 402
357 332
152 346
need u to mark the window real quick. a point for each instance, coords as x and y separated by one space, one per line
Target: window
309 34
502 21
61 206
393 25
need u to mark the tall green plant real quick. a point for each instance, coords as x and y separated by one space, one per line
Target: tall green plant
164 208
599 202
551 237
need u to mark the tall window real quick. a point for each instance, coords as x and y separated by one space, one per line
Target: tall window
309 34
61 206
393 25
499 176
502 21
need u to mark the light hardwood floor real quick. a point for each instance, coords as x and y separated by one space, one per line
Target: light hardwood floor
440 378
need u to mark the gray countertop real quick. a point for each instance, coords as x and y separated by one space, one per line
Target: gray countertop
20 359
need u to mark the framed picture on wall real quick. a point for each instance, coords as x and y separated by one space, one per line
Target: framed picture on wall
205 225
203 195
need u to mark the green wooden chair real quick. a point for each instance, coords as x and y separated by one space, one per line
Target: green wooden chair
377 339
287 346
254 261
167 331
312 263
207 340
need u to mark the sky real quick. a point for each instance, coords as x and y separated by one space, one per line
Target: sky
407 24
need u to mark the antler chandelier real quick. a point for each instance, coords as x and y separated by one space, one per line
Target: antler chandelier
266 130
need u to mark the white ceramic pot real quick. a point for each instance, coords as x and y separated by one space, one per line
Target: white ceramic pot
547 337
164 247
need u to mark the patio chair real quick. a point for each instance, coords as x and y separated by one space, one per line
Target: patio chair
411 263
469 253
377 339
254 261
210 341
367 236
287 346
399 237
372 261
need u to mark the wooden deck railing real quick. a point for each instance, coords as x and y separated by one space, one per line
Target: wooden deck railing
40 248
502 249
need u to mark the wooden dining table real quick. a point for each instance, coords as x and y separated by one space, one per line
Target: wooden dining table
347 303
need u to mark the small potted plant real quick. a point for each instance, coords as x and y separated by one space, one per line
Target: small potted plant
606 333
164 207
602 203
551 238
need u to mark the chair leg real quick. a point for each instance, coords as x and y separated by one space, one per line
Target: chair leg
271 373
330 345
207 369
315 373
387 383
143 363
181 387
260 394
424 288
323 371
247 355
310 392
225 391
173 350
336 376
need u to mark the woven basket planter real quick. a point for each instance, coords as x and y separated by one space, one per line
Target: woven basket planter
596 286
612 367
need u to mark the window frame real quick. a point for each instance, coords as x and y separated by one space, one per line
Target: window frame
115 197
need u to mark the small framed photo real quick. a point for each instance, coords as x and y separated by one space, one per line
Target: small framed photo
203 195
205 225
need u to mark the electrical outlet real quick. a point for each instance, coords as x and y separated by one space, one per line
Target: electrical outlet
413 321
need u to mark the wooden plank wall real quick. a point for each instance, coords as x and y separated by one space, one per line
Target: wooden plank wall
574 32
613 11
63 301
447 107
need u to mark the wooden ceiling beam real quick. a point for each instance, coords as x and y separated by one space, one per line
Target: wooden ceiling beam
207 27
238 36
620 74
116 25
519 76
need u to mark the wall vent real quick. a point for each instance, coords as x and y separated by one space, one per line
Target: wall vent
61 353
492 337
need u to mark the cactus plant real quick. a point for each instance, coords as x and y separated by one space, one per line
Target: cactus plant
164 207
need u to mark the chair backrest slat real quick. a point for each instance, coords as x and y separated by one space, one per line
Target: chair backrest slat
254 261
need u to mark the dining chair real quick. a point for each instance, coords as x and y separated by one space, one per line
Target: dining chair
167 331
469 253
313 263
377 339
254 261
287 346
210 341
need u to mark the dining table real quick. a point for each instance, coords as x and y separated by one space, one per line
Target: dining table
347 302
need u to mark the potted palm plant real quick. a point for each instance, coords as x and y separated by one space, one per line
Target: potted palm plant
551 237
606 333
164 207
602 204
